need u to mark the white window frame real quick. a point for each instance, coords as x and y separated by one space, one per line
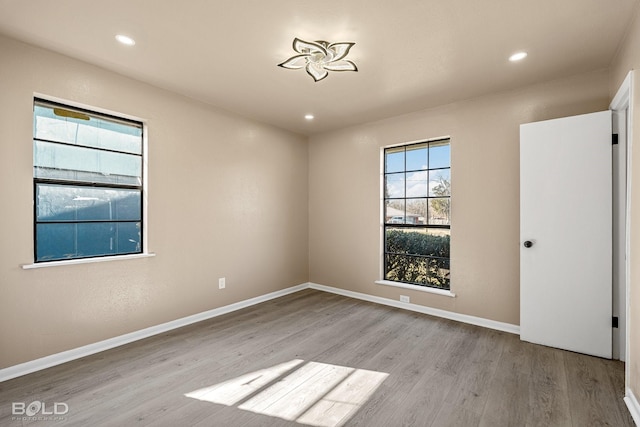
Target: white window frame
145 253
382 281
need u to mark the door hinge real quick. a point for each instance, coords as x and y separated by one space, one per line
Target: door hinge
614 139
614 322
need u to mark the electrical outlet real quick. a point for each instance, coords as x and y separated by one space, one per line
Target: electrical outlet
404 298
221 283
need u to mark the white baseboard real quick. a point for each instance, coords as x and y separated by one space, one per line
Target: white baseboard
464 318
632 405
87 350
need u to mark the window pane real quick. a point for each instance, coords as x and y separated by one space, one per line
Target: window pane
440 211
68 203
56 161
439 155
394 212
394 160
418 270
440 182
425 242
404 268
394 185
416 211
81 240
63 124
417 157
129 238
55 241
417 184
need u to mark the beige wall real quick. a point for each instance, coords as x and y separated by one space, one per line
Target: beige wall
344 189
227 197
628 58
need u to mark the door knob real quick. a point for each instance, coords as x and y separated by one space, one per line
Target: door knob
528 244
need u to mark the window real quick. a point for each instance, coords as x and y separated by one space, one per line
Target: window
417 213
87 178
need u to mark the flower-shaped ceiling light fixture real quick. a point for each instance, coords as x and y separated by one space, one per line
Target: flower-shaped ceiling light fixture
320 57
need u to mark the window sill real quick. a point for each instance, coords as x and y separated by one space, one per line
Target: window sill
85 261
442 292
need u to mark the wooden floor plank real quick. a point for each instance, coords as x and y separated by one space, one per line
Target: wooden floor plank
548 400
368 365
467 396
505 404
592 396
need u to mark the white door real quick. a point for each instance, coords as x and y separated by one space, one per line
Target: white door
565 233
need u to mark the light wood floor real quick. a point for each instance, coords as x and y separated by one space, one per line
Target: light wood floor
327 360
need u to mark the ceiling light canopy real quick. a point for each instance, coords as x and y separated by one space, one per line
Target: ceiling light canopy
320 57
125 40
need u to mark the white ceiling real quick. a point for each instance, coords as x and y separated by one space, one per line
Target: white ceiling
411 54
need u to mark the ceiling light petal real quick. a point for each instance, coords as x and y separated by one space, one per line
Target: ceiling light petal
316 71
344 65
302 46
340 49
295 62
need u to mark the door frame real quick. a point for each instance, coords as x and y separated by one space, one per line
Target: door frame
619 234
622 105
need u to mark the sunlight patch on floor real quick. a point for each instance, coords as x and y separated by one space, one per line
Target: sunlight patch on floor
311 393
233 391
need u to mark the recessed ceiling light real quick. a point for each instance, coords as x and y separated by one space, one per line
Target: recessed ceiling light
125 40
518 56
308 116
